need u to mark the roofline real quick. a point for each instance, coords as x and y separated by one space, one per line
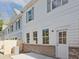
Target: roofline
28 5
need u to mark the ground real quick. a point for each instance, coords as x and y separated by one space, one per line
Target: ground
4 57
26 56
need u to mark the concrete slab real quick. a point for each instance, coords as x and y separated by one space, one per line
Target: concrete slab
5 56
31 56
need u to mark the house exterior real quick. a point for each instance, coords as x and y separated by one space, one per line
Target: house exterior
1 35
13 29
54 22
49 27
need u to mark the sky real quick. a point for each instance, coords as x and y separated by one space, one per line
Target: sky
7 7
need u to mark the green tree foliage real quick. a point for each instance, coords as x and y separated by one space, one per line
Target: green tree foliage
1 24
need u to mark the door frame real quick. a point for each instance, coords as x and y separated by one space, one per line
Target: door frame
57 42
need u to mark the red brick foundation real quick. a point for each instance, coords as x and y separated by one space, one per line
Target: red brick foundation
48 50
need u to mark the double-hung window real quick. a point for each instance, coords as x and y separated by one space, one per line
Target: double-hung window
30 15
52 4
35 37
28 37
8 30
57 3
19 24
64 2
46 36
16 25
11 28
48 5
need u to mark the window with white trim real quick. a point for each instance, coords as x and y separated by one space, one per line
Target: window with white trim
19 24
8 30
48 5
16 25
64 2
62 37
11 28
28 37
52 4
35 37
45 36
30 15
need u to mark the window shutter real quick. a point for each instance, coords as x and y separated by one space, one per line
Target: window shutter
26 17
33 13
48 5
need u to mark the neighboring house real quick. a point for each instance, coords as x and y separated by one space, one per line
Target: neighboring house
13 30
49 27
1 36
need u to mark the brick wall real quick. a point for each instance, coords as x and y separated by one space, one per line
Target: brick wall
73 52
48 50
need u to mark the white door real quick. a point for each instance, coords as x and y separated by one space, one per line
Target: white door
62 48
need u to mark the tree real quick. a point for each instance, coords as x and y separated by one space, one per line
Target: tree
1 24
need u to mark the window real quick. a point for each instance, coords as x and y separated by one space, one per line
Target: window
28 37
62 37
16 25
11 28
48 5
35 36
19 24
52 4
30 15
57 3
64 2
8 30
46 36
15 38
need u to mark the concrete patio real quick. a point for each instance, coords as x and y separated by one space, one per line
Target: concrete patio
26 56
31 56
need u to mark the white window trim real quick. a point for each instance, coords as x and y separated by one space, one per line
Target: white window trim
27 16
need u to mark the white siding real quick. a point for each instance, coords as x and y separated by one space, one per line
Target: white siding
66 15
